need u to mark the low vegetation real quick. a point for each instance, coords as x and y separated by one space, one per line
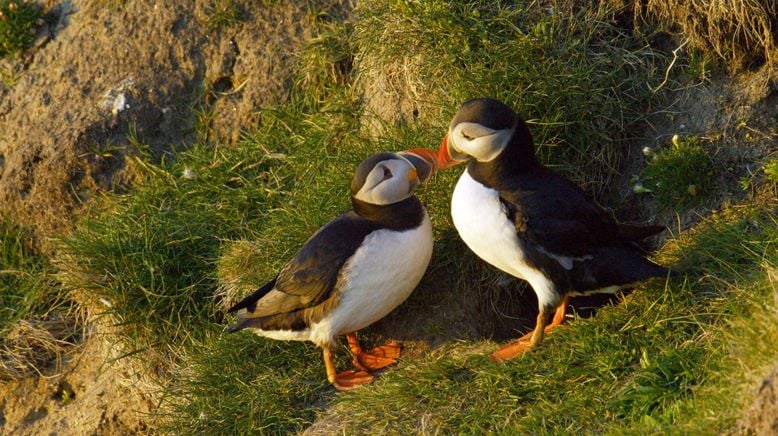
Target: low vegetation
680 175
206 223
742 32
574 74
36 323
19 20
671 356
223 14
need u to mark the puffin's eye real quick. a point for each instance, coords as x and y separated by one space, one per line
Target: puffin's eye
387 173
466 136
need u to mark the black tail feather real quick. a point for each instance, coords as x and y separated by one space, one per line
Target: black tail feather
630 232
253 298
616 266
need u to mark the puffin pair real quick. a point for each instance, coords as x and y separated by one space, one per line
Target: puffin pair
354 270
532 222
512 211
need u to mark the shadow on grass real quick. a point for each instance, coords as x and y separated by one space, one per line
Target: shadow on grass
463 298
662 359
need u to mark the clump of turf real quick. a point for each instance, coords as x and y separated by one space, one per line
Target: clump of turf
679 176
18 22
145 259
36 325
243 384
741 32
221 14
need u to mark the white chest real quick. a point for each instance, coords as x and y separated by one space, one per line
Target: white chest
380 276
483 225
485 228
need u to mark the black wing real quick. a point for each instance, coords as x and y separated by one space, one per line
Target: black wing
248 303
310 277
554 213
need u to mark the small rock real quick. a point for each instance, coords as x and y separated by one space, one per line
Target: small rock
638 188
189 174
119 104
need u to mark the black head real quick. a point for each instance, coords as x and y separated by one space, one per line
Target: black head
485 130
487 112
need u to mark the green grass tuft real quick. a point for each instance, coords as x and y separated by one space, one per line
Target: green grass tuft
36 323
19 20
663 359
22 276
679 176
146 258
241 384
771 171
222 14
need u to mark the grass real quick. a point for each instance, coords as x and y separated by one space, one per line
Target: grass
669 357
771 170
18 22
22 270
221 14
10 75
146 259
679 176
740 32
573 73
244 384
35 324
207 223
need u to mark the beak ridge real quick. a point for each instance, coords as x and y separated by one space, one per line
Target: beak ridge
444 158
425 161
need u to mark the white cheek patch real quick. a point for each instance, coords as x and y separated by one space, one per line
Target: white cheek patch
380 191
486 144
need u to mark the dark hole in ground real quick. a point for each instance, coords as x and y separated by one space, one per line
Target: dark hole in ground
223 84
64 393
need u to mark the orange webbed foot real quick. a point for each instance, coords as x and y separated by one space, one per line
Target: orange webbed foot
377 358
351 379
511 350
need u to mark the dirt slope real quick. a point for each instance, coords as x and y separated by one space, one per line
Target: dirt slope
105 70
101 72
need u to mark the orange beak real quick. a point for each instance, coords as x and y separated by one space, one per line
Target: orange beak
444 158
430 159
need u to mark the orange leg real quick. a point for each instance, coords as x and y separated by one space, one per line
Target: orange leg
534 338
347 379
559 315
375 359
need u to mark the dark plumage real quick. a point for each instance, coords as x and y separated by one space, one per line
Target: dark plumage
354 270
305 289
532 222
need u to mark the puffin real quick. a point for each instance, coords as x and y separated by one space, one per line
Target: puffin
533 223
354 270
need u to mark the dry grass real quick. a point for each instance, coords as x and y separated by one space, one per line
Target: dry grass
37 346
236 273
739 31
